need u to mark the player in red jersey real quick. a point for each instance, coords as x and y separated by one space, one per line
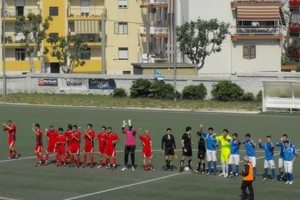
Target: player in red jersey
68 135
110 148
74 146
61 141
88 136
11 129
38 149
101 137
51 134
147 150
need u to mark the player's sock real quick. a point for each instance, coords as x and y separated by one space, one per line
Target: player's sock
209 167
40 157
10 153
215 167
266 173
190 164
78 160
47 158
291 176
273 173
167 163
57 158
72 160
126 158
223 168
254 169
84 160
132 158
114 160
237 169
288 176
203 166
100 162
15 152
65 159
107 161
229 169
281 173
145 166
226 168
181 163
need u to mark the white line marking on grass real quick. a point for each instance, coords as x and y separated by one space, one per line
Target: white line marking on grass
124 186
23 158
4 198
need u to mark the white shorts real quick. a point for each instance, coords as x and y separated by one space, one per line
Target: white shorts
288 166
280 163
269 164
252 159
234 159
211 156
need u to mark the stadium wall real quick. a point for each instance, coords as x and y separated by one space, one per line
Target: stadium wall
104 84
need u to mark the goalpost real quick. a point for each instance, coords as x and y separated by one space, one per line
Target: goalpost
278 95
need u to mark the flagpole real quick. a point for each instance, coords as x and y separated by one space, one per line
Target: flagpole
3 47
175 49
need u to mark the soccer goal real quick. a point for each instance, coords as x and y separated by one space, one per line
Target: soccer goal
281 95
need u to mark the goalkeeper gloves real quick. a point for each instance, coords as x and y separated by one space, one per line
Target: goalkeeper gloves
129 122
124 124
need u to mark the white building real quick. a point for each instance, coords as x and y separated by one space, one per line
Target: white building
256 34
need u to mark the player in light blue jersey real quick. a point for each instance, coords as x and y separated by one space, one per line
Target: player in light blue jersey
211 144
289 156
234 157
269 156
280 144
250 151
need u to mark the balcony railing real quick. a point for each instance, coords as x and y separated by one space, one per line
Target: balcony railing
153 2
257 30
12 12
154 31
92 11
11 38
294 3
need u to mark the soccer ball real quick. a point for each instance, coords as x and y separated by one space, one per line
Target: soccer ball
186 169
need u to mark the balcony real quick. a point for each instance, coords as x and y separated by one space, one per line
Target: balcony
12 40
236 3
91 13
91 39
157 32
154 3
256 33
10 13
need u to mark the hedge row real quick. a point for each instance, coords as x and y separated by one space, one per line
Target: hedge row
222 91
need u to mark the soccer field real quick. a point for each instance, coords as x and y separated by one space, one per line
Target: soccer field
20 179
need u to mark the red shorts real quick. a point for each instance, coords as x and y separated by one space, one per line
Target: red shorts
74 149
61 151
88 149
101 150
38 148
50 148
11 143
110 152
147 153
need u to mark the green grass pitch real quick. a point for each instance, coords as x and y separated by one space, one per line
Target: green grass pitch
20 179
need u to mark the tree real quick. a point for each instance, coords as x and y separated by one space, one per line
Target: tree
69 51
34 32
199 39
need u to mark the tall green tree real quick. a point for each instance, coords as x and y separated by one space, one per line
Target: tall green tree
33 27
199 39
69 51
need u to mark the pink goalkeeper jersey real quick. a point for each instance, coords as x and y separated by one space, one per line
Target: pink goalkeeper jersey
130 137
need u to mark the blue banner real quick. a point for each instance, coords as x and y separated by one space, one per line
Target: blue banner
102 84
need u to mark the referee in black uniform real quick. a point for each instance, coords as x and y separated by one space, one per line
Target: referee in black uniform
168 147
201 152
186 143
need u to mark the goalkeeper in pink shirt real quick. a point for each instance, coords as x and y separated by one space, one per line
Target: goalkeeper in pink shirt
130 144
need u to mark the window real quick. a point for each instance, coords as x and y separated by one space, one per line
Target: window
123 53
121 28
85 7
53 11
20 54
126 72
123 3
53 36
86 54
249 52
19 10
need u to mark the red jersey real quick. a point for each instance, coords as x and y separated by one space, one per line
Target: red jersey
110 139
68 135
61 140
89 141
102 139
11 132
146 141
52 136
39 137
75 139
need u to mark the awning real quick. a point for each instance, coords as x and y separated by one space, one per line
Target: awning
258 13
87 27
